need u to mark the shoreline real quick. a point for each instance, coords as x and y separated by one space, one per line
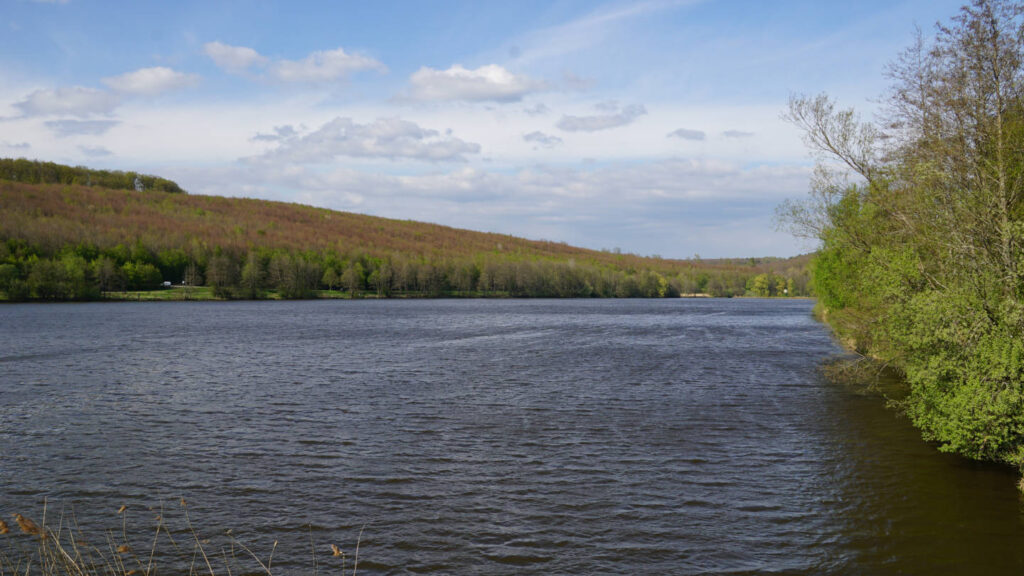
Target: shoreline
206 294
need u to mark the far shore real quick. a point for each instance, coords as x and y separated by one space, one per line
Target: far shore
207 294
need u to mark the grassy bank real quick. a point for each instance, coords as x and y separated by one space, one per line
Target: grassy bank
57 545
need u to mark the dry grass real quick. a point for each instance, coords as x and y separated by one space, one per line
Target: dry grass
61 548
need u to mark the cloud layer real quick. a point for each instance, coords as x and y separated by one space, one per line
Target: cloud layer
541 139
76 101
615 117
387 138
150 81
95 151
486 83
233 59
318 67
737 134
687 134
66 127
323 66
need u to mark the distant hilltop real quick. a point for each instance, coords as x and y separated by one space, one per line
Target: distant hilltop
36 172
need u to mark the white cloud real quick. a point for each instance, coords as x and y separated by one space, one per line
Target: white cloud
486 83
15 145
737 134
71 101
65 128
687 134
388 138
616 117
233 59
541 139
323 66
151 81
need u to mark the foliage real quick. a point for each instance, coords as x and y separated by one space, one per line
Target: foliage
35 172
921 261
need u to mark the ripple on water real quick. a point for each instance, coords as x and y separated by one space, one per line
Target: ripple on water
491 437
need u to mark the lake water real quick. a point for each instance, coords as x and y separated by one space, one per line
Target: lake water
489 437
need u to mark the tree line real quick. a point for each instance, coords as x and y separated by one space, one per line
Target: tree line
84 271
920 215
36 172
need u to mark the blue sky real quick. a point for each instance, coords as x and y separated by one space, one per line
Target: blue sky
652 127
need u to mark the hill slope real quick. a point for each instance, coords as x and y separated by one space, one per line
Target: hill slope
105 235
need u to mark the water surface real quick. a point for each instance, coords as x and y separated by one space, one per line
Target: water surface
491 437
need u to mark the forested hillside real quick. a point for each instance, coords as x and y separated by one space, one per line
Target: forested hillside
923 252
78 241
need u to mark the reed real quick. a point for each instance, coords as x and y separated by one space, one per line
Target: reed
61 547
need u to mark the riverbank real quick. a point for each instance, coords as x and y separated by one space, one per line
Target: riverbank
209 294
867 372
60 545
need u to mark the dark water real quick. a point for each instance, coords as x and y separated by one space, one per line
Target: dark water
490 437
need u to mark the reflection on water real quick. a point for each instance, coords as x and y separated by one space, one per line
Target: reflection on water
493 437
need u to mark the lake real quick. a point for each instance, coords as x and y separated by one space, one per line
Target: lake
488 437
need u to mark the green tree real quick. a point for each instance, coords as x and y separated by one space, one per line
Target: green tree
8 275
330 278
78 278
172 263
141 276
380 279
920 265
222 275
293 276
760 285
109 275
352 278
251 282
46 280
193 274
